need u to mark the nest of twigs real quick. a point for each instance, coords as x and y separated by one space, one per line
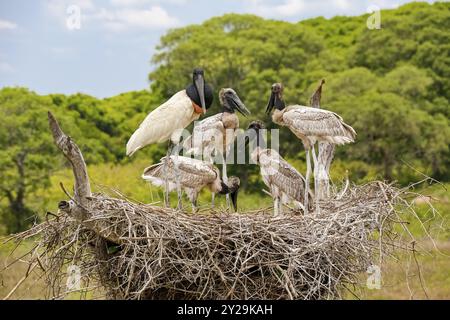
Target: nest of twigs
164 254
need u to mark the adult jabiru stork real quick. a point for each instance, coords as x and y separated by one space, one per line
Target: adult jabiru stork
217 133
309 125
285 183
168 120
194 175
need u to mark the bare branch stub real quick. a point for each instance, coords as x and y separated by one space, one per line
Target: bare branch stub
314 101
75 157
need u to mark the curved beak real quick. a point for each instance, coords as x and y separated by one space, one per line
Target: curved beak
200 86
237 104
271 102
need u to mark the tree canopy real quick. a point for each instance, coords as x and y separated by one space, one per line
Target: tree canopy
392 85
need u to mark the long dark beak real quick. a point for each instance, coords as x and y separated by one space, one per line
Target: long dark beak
234 196
200 85
271 103
237 104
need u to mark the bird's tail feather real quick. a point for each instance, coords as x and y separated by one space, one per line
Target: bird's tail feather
155 175
351 132
155 170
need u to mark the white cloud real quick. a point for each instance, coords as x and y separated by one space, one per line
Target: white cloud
7 25
341 4
121 15
6 67
129 3
124 19
138 3
59 7
155 17
285 9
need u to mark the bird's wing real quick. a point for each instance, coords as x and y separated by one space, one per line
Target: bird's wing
281 174
318 122
159 125
193 173
206 134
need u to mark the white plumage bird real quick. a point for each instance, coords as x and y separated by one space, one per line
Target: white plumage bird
309 125
217 133
168 120
194 175
164 123
285 183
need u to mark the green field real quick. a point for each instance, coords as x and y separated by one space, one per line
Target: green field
434 264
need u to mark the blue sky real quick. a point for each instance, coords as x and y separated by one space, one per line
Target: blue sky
111 51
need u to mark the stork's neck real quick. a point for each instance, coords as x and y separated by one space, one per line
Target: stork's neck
260 145
277 116
227 110
230 120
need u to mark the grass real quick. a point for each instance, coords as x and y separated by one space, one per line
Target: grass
434 270
435 266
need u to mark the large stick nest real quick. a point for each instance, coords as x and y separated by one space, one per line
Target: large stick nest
164 254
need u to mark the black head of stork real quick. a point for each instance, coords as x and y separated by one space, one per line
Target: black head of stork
276 98
199 91
232 188
230 101
254 132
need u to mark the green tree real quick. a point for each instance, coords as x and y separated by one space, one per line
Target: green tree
25 161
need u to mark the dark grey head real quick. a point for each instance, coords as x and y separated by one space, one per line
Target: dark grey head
256 125
276 98
197 71
254 132
230 101
232 188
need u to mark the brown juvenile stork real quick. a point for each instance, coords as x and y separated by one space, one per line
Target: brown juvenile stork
168 121
194 175
216 134
309 125
285 183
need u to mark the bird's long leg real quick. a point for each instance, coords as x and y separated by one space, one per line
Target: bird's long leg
315 164
316 174
225 178
276 206
308 174
213 195
194 202
177 179
166 175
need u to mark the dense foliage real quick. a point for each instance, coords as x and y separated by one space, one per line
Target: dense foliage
392 85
